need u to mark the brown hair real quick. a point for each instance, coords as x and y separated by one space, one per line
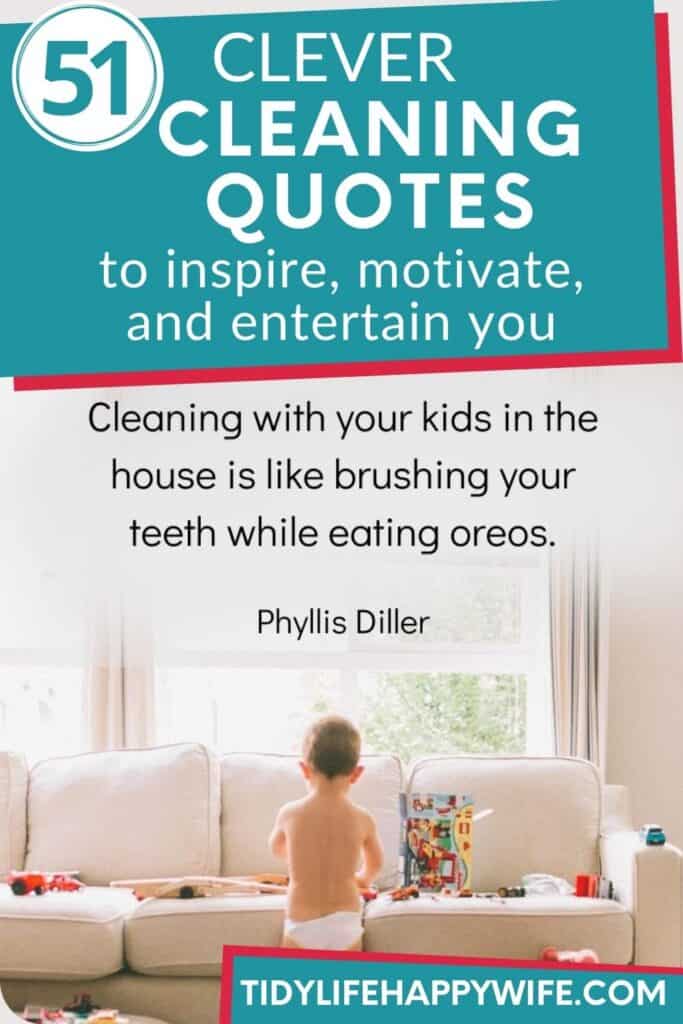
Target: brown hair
332 746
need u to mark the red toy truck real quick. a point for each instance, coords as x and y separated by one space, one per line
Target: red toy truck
22 883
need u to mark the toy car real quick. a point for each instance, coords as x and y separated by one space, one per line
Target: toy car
511 892
23 883
652 835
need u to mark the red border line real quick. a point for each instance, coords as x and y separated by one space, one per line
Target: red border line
230 952
672 354
668 162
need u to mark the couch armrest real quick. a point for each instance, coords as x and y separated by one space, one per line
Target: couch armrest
648 880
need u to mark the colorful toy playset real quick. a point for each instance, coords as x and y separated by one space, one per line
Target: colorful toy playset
437 841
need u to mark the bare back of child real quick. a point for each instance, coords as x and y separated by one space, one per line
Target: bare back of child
330 843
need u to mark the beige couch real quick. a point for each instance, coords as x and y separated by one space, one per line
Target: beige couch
182 810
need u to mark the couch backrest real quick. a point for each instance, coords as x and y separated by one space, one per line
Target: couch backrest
180 810
255 786
126 814
13 792
547 813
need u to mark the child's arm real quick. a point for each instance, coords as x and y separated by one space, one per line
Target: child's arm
373 856
278 839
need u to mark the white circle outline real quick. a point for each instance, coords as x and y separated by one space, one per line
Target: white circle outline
127 133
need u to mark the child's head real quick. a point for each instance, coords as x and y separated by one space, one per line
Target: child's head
331 750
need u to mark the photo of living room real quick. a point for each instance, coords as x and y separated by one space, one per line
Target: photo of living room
153 710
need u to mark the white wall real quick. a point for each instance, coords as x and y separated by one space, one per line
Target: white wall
644 532
645 742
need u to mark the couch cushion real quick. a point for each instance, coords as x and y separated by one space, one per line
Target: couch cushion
510 929
13 790
255 786
186 937
547 813
126 814
63 935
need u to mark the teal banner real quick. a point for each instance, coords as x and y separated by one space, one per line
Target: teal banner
393 188
260 987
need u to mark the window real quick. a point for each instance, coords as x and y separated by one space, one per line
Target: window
409 714
446 712
478 681
42 659
40 710
42 585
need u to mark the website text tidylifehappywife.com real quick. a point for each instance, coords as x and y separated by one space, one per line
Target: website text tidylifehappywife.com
410 992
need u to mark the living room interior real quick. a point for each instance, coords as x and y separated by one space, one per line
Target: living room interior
152 671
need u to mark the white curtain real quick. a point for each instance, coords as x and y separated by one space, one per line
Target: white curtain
579 609
119 692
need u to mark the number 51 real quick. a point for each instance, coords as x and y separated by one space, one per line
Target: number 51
55 71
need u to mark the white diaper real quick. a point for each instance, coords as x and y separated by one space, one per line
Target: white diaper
334 931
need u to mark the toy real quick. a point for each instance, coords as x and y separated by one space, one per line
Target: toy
81 1005
201 886
404 892
516 892
41 1014
369 894
594 887
436 840
582 885
23 883
38 1014
569 956
652 835
467 894
107 1017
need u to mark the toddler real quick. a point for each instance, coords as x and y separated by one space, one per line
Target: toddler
331 845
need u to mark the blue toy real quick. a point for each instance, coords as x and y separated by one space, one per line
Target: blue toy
652 835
